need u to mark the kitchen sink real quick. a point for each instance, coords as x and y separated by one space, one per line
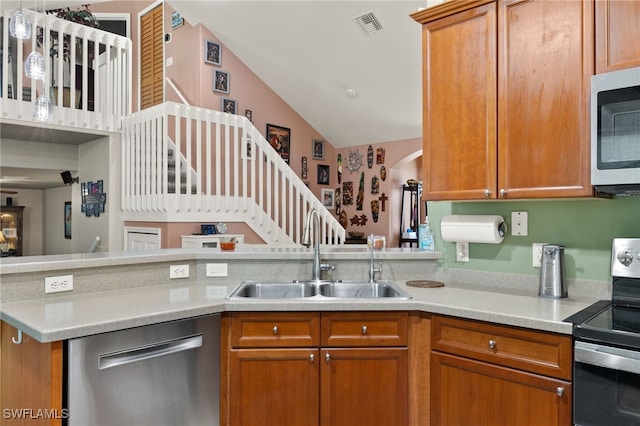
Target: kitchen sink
309 289
274 290
363 290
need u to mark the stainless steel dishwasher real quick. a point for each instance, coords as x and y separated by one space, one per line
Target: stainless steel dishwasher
162 374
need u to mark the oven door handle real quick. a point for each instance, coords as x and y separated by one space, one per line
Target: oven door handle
607 357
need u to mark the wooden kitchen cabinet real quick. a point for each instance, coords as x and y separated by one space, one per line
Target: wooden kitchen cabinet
486 374
364 372
31 380
274 387
505 99
617 35
360 378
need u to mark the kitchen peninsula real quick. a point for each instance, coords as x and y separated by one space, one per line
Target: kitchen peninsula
116 291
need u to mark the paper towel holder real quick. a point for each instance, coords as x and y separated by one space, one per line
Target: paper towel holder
473 228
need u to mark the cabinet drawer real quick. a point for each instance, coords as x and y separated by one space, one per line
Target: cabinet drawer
354 329
268 329
534 351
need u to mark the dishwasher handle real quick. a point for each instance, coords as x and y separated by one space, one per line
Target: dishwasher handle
154 350
607 357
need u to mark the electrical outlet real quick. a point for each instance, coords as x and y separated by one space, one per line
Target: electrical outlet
217 270
178 271
58 284
537 255
462 252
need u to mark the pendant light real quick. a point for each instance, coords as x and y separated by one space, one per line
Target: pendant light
19 24
34 65
43 108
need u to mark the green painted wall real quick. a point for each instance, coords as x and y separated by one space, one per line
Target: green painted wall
585 227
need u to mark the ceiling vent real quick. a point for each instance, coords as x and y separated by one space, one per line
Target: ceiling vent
368 23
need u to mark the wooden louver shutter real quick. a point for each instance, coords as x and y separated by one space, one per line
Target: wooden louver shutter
151 59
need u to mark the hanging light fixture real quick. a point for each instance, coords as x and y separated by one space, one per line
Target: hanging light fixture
43 107
19 24
34 66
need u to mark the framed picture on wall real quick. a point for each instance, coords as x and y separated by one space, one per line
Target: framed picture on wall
228 105
67 220
328 198
317 149
280 139
212 53
220 81
323 174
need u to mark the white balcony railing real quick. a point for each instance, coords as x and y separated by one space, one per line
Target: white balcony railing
91 86
181 162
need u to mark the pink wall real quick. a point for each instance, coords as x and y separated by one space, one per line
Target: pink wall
402 161
194 79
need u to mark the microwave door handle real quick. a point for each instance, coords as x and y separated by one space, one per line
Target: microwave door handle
607 357
145 352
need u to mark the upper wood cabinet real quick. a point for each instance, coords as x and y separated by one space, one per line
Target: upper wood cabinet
617 35
505 97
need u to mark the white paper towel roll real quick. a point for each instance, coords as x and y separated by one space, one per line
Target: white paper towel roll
473 228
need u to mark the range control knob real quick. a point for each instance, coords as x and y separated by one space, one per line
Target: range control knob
624 257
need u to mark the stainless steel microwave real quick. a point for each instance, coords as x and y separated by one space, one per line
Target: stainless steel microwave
615 132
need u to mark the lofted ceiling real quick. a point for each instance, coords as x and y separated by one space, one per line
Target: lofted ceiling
316 57
354 88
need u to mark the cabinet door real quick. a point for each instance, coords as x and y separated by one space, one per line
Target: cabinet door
30 379
274 387
364 387
459 105
617 35
466 392
545 65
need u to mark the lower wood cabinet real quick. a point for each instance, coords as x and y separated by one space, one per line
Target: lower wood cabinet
274 387
361 379
486 374
30 380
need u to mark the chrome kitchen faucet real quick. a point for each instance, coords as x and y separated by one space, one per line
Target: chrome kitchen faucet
306 240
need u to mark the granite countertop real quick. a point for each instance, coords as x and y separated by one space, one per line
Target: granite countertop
69 316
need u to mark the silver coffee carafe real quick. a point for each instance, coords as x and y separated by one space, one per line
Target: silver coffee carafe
552 273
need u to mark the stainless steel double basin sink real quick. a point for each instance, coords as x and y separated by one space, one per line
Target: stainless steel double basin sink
312 289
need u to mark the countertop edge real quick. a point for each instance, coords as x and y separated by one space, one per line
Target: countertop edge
17 313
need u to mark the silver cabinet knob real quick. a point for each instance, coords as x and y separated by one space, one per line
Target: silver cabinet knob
487 193
560 390
364 329
327 357
312 358
492 344
503 193
275 329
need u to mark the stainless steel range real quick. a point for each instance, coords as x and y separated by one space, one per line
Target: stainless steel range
606 379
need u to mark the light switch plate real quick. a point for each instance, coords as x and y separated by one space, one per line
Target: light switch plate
217 270
519 224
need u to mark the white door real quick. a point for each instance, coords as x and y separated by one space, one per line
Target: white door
138 239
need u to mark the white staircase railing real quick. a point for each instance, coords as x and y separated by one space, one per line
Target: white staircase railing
237 175
95 74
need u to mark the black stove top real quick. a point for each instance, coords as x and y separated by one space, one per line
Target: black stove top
607 323
616 321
